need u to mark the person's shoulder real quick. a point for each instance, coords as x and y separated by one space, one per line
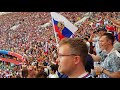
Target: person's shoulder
50 75
117 46
114 56
89 76
115 53
54 76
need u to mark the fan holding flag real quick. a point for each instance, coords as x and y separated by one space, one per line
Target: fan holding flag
62 26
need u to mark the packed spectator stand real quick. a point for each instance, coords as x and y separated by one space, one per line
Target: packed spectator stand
26 33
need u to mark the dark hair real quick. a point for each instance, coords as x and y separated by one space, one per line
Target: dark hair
25 73
77 46
18 76
45 63
89 63
54 67
94 32
101 29
110 37
41 75
86 39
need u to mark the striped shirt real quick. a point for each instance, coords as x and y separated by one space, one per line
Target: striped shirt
85 75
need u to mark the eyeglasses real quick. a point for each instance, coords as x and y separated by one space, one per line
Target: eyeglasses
61 55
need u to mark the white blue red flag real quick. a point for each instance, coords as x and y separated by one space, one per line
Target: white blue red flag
62 26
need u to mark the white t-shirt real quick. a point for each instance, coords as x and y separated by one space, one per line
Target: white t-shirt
88 45
53 76
97 47
105 22
97 24
46 70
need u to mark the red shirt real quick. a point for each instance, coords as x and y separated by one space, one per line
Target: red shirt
110 28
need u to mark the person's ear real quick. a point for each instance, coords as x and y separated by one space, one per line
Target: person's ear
76 59
109 42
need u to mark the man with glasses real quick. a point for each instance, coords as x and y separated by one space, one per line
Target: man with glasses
72 53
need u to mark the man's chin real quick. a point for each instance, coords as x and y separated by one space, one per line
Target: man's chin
60 70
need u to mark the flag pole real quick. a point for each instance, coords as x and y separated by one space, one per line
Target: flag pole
55 33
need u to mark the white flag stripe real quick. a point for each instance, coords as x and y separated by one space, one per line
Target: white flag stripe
66 22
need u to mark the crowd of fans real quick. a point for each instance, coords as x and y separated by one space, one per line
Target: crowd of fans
37 44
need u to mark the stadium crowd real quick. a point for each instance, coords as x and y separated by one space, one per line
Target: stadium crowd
25 33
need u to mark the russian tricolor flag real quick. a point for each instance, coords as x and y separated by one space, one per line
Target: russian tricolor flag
68 28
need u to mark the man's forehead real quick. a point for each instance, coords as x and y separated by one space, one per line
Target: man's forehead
63 47
103 37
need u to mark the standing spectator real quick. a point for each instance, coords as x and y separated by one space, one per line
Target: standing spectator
53 71
89 63
25 73
71 58
110 67
117 45
100 31
88 44
41 75
117 24
31 72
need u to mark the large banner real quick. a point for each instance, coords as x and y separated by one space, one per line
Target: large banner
20 57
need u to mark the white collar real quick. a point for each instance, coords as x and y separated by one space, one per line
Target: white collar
83 75
113 50
117 53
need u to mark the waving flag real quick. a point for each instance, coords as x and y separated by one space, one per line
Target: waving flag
62 26
16 55
46 48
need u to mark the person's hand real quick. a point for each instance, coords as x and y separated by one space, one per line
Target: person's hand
98 70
